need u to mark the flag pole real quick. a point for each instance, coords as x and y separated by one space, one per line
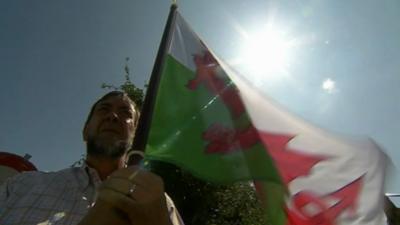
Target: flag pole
143 128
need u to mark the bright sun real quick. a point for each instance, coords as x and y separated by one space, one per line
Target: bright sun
267 52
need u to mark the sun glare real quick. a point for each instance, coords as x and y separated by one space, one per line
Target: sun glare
329 85
266 52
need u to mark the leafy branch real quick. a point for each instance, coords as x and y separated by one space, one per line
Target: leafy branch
135 93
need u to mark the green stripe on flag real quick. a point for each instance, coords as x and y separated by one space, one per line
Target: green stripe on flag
182 115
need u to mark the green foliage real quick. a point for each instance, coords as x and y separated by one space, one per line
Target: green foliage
392 212
205 203
235 204
135 93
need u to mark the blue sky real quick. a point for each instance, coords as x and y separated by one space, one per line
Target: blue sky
54 56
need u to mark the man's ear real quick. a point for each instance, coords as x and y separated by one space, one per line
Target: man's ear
85 133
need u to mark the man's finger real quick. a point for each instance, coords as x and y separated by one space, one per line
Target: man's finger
117 199
119 184
138 176
126 172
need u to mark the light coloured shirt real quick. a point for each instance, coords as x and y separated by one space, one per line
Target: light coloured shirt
62 198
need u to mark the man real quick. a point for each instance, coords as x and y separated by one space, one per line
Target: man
103 190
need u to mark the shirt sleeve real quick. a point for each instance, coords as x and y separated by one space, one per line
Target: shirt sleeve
5 192
174 215
10 186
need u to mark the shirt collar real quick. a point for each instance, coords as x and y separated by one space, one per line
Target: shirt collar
88 176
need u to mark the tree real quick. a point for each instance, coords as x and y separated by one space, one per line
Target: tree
205 203
135 93
392 212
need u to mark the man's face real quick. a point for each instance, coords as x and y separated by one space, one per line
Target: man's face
111 128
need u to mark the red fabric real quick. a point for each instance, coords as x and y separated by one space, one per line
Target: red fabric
16 162
292 164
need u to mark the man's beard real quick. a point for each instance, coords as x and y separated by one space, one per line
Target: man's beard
115 150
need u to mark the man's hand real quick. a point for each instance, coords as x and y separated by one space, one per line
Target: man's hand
102 213
138 194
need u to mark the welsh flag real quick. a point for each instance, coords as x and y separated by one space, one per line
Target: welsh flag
208 120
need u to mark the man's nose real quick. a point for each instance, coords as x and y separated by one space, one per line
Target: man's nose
112 116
